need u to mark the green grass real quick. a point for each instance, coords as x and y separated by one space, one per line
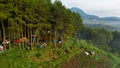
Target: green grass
101 59
111 58
54 57
37 58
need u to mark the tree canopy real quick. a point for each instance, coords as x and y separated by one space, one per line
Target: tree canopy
27 17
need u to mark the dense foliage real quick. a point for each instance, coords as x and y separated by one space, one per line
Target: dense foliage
24 18
115 43
102 38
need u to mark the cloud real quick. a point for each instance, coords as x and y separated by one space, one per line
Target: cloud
96 7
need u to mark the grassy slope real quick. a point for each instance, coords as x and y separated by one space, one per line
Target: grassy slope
58 57
101 59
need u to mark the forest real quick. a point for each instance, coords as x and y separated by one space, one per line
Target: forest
102 38
36 19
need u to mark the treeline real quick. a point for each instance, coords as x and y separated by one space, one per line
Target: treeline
24 18
111 28
102 38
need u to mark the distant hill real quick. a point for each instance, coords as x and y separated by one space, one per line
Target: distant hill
93 19
110 18
83 14
101 26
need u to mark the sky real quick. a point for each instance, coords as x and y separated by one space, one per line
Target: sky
101 8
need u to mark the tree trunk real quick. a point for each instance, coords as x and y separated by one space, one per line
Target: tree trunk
55 36
50 36
31 43
4 36
3 28
9 37
0 35
28 33
22 44
19 38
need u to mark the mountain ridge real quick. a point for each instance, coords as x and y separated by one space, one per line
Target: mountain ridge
94 20
90 16
82 13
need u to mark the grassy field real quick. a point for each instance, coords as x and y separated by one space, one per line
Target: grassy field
71 53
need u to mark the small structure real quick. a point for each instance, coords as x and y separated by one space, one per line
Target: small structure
89 53
5 44
18 42
44 44
86 53
1 48
92 53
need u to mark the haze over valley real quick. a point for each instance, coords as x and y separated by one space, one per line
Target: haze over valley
111 23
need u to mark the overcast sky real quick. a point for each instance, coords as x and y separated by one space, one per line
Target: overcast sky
101 8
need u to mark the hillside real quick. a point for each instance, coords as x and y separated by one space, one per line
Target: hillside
42 34
83 14
100 59
101 26
71 54
93 19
